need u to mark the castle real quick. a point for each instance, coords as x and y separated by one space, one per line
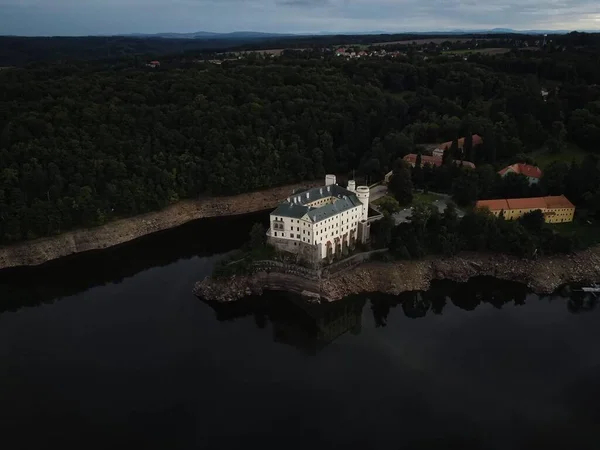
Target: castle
321 222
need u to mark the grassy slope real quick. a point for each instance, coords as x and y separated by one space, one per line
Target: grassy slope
570 153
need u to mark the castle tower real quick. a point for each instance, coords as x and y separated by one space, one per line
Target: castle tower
352 185
329 179
362 192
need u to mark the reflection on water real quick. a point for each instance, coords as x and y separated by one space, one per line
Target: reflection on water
311 327
29 286
143 362
305 326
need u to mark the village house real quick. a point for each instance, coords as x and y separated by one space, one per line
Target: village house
556 209
321 222
439 150
436 161
153 64
532 173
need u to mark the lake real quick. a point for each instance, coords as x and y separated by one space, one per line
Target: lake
112 349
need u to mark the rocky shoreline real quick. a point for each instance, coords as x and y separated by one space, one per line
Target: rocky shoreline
120 231
543 276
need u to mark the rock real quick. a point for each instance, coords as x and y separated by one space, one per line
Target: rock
543 276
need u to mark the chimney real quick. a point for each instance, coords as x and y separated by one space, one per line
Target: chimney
308 195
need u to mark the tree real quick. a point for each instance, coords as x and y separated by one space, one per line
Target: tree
450 217
382 231
533 220
418 177
455 152
513 185
464 188
258 237
554 177
400 183
468 149
388 205
446 157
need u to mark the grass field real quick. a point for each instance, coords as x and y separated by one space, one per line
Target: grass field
571 152
418 197
489 51
587 233
425 198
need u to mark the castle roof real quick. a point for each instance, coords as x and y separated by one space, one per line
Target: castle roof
296 205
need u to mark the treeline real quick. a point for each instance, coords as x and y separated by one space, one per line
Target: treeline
19 51
81 144
430 232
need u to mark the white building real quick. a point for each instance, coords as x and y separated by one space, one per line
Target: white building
321 222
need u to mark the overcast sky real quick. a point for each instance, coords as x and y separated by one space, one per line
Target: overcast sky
83 17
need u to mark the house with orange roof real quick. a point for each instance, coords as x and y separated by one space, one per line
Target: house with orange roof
441 148
556 209
434 161
533 173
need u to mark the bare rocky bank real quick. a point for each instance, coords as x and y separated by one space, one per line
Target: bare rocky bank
42 250
543 276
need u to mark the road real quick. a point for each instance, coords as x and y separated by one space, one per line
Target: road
441 204
380 190
377 192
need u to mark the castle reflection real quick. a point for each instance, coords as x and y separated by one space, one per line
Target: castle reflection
311 327
294 322
321 324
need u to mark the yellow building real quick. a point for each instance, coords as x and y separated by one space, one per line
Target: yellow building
556 209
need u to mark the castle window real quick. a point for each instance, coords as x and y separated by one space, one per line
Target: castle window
276 234
297 236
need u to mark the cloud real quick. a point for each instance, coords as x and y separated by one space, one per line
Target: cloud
33 17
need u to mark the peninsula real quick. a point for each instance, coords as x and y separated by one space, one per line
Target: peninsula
311 248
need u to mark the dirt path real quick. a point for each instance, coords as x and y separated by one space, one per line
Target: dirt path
120 231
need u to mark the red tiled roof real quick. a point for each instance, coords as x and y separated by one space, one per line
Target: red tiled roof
492 205
524 169
477 140
464 163
425 159
526 203
551 202
558 201
434 160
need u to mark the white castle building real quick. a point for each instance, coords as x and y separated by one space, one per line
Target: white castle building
321 222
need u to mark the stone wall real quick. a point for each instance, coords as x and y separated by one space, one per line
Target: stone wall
302 250
349 263
270 266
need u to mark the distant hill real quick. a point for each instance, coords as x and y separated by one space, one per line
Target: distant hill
260 35
211 35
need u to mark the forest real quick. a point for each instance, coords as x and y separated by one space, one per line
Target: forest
82 143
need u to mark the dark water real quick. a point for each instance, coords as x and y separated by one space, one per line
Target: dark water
113 350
